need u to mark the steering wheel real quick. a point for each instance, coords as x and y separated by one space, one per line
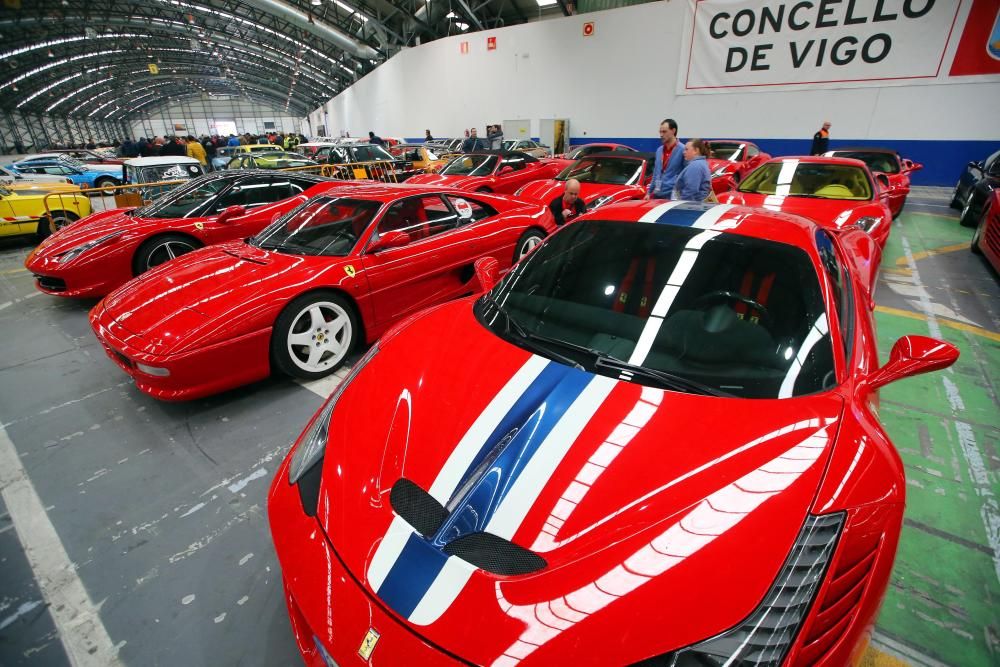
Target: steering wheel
764 316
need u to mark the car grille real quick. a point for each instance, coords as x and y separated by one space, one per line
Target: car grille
51 284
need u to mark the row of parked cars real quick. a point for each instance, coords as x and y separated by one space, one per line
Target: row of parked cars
553 430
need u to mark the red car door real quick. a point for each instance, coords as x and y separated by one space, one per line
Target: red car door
256 194
515 172
433 267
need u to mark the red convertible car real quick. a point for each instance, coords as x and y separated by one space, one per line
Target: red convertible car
661 448
885 161
97 254
577 152
491 171
734 158
604 178
330 275
986 240
833 192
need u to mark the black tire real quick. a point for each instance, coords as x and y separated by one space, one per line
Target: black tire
529 239
297 320
968 218
160 249
956 200
106 181
60 220
977 238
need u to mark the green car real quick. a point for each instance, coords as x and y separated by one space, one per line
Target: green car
270 160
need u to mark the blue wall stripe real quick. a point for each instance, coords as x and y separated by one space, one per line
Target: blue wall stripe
411 575
944 160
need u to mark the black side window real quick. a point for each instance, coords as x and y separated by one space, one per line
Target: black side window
843 293
469 210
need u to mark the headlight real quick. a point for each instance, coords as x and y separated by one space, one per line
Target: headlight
868 223
70 255
312 444
767 635
599 202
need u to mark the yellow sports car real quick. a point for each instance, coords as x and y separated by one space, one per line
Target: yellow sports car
421 158
23 211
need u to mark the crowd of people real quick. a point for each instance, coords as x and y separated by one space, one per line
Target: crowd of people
205 148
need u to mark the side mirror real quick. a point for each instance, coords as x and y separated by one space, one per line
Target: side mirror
506 169
726 181
387 240
912 166
913 355
883 181
487 272
978 166
229 213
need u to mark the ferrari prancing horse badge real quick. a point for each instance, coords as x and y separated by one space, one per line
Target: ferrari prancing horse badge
368 645
349 270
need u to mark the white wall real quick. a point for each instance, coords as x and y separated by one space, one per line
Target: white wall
621 82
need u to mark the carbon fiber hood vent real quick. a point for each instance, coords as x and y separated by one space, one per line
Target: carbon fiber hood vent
484 550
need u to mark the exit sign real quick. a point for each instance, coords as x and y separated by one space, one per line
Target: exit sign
491 43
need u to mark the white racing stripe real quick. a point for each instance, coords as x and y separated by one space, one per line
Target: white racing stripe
653 214
76 618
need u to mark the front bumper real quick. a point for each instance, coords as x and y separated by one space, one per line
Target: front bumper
326 605
202 372
79 280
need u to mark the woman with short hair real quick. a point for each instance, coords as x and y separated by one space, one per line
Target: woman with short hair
695 181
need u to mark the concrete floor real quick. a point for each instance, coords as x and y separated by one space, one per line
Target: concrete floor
158 509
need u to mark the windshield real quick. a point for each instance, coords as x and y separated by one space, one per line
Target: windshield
730 313
371 153
792 178
322 226
471 165
509 145
163 172
612 171
73 162
726 150
185 199
876 161
264 148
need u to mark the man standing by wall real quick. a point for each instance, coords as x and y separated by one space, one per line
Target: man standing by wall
821 140
669 162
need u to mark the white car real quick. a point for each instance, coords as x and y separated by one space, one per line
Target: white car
10 177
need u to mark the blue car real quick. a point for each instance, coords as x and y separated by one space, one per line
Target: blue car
84 175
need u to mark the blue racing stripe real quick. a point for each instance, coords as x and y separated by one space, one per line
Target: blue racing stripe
510 448
411 575
684 215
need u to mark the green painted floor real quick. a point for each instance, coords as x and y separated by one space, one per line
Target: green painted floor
943 603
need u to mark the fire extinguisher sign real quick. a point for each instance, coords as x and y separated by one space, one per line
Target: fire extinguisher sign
588 29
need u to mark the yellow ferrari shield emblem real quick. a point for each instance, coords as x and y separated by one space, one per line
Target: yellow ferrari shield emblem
368 645
349 270
199 225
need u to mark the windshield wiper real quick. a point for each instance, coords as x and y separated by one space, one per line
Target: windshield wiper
677 382
520 332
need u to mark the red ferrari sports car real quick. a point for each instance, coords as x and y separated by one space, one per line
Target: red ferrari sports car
833 192
735 158
604 178
986 240
577 152
95 255
490 171
333 273
885 161
660 448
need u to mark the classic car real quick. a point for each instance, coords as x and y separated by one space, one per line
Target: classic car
833 192
527 146
885 161
271 160
84 175
299 296
573 495
421 158
605 178
24 211
973 190
14 179
491 171
109 248
364 161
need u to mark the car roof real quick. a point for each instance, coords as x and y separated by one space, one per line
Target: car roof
620 155
503 154
387 192
156 161
729 141
861 149
743 220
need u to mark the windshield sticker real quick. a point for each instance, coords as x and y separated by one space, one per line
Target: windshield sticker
174 172
464 209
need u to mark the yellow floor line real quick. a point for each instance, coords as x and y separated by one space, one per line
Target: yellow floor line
924 254
10 271
960 326
876 658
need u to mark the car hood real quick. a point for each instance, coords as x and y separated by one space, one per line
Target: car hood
546 191
85 230
827 212
193 300
633 496
443 181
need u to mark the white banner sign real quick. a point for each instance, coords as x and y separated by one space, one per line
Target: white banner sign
739 44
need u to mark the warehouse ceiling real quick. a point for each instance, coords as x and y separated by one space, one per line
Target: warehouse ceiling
116 59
